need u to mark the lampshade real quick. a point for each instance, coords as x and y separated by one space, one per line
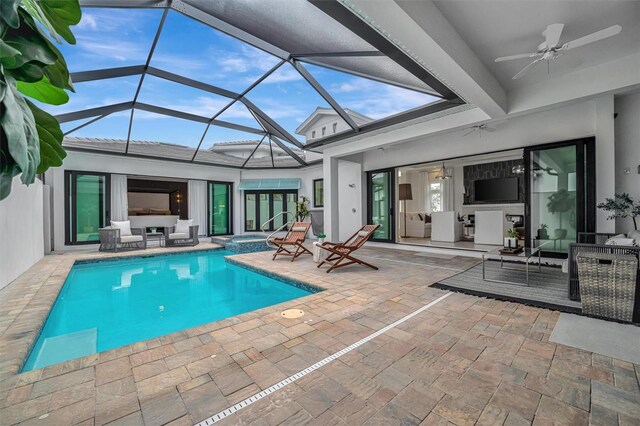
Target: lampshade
404 192
444 173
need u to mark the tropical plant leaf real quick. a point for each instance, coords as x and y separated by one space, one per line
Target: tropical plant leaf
31 43
61 14
8 54
9 12
58 75
20 130
44 91
51 151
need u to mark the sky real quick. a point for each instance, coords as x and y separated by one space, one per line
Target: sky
109 38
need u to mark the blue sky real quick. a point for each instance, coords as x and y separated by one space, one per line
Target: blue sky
110 38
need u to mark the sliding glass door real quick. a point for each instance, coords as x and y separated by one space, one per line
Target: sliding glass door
87 197
220 208
260 206
380 196
560 194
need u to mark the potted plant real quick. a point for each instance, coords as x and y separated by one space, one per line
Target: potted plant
321 238
542 232
511 240
302 208
621 206
561 202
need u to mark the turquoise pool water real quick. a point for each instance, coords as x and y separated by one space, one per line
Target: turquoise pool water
104 305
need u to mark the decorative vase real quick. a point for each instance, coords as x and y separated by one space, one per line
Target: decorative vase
321 240
560 233
542 234
510 242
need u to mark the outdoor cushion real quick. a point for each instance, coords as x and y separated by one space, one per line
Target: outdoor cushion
125 227
620 240
179 236
635 235
298 229
362 233
182 226
131 239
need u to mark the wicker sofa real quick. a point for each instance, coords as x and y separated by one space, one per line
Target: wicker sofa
595 243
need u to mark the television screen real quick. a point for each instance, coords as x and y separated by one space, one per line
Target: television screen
496 190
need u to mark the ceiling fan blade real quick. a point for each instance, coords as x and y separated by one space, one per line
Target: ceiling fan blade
597 36
525 69
552 34
521 56
469 132
489 129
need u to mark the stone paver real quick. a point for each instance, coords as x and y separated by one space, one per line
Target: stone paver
467 360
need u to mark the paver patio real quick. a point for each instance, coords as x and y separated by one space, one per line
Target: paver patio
466 360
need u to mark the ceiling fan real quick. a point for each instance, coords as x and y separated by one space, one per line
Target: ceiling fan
551 49
479 128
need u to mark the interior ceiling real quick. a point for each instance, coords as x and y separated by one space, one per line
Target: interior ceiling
494 28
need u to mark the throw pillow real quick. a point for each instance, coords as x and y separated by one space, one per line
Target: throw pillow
635 235
182 226
124 227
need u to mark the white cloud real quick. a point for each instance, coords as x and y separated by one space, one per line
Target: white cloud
88 21
118 50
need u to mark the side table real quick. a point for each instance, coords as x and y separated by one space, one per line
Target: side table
319 254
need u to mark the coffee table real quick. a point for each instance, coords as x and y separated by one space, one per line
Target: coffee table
526 254
157 235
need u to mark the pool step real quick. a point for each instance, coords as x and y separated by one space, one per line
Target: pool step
67 346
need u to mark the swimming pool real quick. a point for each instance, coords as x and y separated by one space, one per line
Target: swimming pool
107 304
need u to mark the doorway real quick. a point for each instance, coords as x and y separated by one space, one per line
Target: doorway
560 194
87 207
380 202
260 206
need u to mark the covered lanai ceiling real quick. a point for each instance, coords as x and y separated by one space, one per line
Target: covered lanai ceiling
170 79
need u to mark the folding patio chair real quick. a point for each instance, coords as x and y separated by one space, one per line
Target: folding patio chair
342 251
291 244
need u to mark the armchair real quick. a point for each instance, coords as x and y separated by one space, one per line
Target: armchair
173 238
595 242
111 240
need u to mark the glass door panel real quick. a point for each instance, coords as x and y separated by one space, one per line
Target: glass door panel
220 208
380 202
278 207
264 210
251 212
291 205
560 194
88 206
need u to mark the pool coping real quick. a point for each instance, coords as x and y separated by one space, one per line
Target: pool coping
19 338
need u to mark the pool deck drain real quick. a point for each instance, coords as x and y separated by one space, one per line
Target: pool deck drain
258 396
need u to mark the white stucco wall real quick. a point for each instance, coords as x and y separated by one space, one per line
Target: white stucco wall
21 230
80 161
627 145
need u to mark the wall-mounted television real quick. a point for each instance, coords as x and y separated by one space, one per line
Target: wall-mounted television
496 190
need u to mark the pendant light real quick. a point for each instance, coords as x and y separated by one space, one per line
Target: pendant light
444 173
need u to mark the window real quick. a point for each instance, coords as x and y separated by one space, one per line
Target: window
435 196
324 131
318 193
313 134
335 127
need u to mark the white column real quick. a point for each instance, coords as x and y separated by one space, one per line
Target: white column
605 159
330 176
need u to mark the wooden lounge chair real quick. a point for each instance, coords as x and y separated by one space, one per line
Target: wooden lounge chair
339 252
291 244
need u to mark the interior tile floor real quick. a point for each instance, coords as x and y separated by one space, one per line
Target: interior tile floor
459 245
466 360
